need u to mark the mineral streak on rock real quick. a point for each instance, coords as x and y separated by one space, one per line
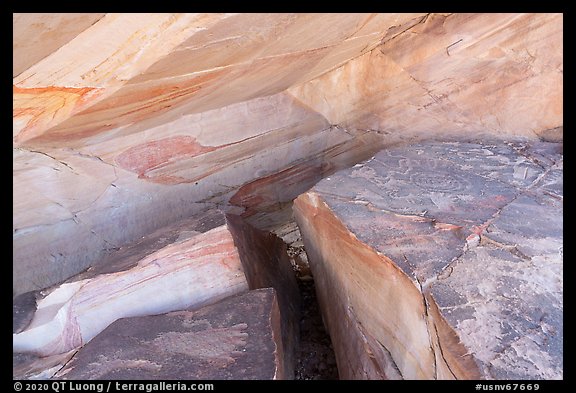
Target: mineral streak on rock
127 123
269 197
390 246
152 65
57 103
236 338
458 74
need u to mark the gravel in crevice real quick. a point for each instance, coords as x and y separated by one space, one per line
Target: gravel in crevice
315 359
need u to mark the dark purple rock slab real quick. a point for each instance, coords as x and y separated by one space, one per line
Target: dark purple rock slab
237 338
432 196
267 265
479 229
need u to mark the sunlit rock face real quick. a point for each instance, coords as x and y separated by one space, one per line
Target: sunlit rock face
125 123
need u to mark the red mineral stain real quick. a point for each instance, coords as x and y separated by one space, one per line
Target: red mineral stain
446 227
143 158
479 229
47 111
495 201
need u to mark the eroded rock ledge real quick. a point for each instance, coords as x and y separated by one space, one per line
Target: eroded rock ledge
125 123
441 261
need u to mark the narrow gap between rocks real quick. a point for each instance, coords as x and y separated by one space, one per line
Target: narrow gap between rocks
315 358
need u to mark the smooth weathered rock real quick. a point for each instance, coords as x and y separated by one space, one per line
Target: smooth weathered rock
28 365
441 261
168 157
124 124
78 193
237 338
36 36
127 68
457 75
190 264
267 200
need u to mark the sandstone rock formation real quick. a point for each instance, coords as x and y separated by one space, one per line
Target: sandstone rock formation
190 264
237 338
451 74
149 278
129 130
120 114
266 265
441 261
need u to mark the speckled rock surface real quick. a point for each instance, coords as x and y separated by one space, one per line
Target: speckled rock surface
237 338
467 237
23 309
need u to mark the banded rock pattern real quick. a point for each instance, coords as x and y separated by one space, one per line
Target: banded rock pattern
125 123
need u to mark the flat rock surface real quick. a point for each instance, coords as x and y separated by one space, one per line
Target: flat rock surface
237 338
478 229
424 189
